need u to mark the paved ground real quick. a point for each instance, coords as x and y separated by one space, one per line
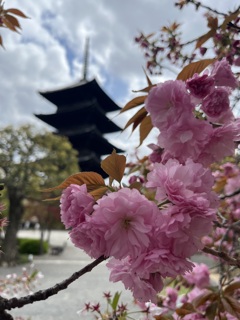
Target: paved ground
65 304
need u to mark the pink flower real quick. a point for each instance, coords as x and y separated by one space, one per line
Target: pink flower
184 226
160 260
126 219
143 289
167 101
181 184
200 86
75 204
87 237
223 74
185 138
217 106
220 144
199 276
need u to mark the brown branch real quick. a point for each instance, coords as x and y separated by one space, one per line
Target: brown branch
222 255
8 304
230 195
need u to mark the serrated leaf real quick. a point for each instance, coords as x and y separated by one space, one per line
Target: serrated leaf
229 18
201 299
186 308
211 310
145 128
231 306
52 199
99 192
147 77
213 23
17 12
135 102
115 300
194 67
8 24
136 119
146 89
136 185
93 181
1 42
204 38
232 287
13 21
114 165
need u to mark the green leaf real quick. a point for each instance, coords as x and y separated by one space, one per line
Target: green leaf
115 300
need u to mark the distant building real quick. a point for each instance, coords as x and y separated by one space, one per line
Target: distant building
81 116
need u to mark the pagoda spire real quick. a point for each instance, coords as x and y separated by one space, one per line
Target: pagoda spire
86 56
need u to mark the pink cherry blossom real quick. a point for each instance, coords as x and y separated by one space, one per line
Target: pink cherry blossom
220 143
217 106
200 86
199 276
181 184
142 289
75 203
184 226
185 138
223 74
167 101
126 219
87 237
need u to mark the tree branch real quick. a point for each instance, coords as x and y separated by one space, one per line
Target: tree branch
222 255
8 304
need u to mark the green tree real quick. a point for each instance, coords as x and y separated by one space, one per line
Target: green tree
29 162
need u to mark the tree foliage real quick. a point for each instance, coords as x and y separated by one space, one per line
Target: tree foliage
30 161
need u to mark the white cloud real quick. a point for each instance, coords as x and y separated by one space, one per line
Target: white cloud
49 52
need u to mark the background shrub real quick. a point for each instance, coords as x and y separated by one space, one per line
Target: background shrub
31 246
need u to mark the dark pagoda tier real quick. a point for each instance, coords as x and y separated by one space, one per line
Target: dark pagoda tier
81 116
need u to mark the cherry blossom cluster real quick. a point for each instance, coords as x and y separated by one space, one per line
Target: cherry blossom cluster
227 184
150 233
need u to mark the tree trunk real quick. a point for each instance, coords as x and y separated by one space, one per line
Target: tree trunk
16 210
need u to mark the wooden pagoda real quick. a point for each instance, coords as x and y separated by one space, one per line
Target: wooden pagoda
81 116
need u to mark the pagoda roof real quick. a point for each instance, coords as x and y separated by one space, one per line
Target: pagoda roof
91 162
82 91
84 116
89 138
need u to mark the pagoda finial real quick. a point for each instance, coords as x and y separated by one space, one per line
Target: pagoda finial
85 66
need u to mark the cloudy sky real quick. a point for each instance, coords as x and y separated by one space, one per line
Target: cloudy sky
49 52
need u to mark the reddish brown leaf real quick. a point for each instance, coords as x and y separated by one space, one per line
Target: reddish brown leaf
13 21
136 185
99 192
52 199
185 309
194 67
232 287
114 165
211 310
231 306
146 89
8 24
145 128
148 79
135 102
201 40
1 42
229 18
206 296
93 181
136 119
213 23
16 12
